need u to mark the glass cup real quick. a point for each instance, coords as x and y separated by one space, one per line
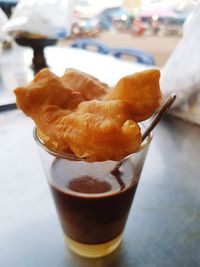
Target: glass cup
92 202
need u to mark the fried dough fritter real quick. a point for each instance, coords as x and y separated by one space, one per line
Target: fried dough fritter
89 87
75 113
141 90
96 131
45 89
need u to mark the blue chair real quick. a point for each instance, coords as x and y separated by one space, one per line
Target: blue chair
141 57
85 43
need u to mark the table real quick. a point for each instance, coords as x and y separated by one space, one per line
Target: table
163 228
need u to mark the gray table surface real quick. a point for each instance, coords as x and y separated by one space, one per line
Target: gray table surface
163 228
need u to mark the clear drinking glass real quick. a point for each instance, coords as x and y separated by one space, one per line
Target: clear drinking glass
92 202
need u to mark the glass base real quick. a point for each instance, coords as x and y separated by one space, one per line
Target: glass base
95 250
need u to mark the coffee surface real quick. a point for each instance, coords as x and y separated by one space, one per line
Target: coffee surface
88 185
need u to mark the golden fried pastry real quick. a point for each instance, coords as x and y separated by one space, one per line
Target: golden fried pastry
141 90
46 89
50 129
96 131
107 126
89 87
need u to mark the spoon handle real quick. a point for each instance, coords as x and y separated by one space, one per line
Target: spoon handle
159 115
154 122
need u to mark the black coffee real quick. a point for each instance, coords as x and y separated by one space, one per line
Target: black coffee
92 204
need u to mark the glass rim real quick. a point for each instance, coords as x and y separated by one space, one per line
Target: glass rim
73 157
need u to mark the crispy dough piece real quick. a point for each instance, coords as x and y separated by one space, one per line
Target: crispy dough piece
96 131
50 130
45 89
141 90
89 87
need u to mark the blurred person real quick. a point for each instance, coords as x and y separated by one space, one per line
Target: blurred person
137 26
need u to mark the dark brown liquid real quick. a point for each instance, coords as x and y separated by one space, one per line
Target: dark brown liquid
88 185
92 205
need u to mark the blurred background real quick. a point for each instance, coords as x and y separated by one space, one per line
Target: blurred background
154 26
